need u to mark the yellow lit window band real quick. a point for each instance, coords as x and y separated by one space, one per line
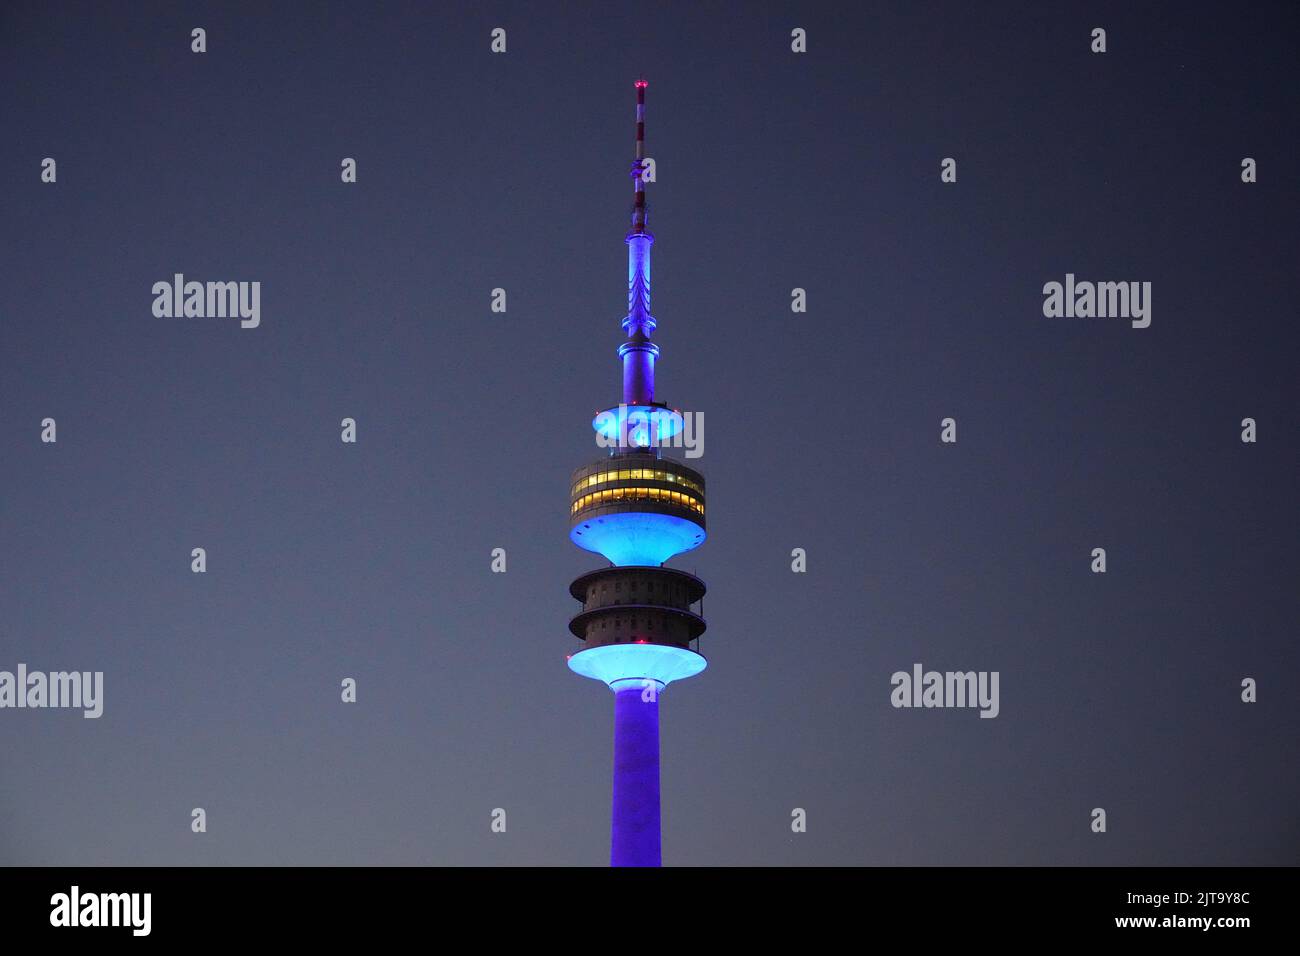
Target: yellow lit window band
636 474
662 495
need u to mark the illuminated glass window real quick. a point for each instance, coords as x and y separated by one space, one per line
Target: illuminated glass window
597 498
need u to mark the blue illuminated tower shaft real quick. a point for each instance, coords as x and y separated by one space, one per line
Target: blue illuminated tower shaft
634 818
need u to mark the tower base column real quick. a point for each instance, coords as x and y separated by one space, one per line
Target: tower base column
634 826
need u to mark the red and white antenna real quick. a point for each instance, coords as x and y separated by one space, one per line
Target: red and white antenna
638 209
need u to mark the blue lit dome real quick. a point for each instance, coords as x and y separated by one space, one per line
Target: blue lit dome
657 662
638 537
638 426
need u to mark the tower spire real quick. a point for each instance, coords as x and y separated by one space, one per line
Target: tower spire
638 207
638 352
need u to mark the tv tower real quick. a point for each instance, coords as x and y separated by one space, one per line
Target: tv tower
638 509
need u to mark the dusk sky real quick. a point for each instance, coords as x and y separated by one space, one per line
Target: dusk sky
776 170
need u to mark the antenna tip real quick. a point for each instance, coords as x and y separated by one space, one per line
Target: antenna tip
641 84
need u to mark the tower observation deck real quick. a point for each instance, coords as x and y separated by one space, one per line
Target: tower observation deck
638 509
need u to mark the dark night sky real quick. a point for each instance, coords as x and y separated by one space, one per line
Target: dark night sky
775 170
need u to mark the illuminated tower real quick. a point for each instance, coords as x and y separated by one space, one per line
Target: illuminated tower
638 509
